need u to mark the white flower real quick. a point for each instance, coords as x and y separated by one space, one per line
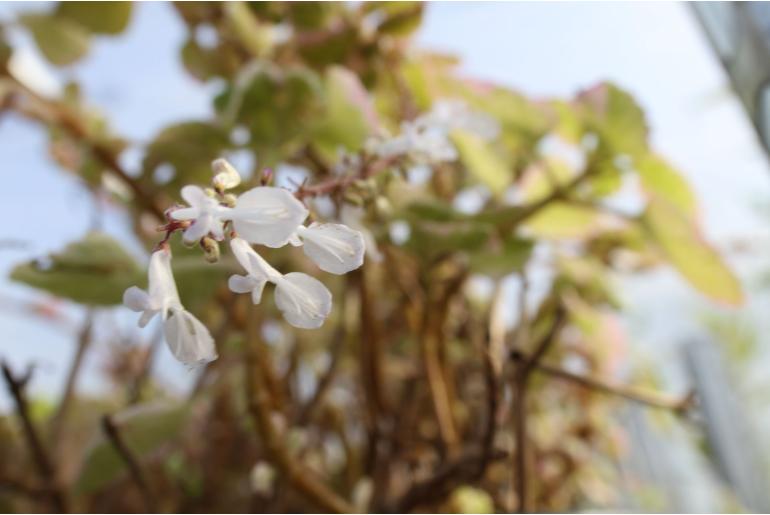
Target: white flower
187 338
352 216
268 216
335 248
304 301
207 212
451 114
225 175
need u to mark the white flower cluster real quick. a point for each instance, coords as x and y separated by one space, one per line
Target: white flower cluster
426 138
263 215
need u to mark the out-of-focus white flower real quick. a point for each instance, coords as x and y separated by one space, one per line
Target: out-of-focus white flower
187 338
225 175
268 216
335 248
426 138
352 216
303 300
452 114
263 478
208 214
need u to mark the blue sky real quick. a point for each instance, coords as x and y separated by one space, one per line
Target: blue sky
654 50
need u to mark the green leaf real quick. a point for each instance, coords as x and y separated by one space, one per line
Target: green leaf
616 118
430 239
658 178
680 241
482 162
245 26
143 430
189 147
562 220
95 270
348 116
61 40
99 17
507 258
276 105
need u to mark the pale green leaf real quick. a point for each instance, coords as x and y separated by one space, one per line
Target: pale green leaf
95 270
682 244
61 40
482 162
99 17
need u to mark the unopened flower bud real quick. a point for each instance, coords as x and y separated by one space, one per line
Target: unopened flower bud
225 175
383 207
354 198
210 249
267 177
229 199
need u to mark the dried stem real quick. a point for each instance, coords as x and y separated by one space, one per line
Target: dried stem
112 432
652 399
39 453
83 342
260 408
63 116
521 382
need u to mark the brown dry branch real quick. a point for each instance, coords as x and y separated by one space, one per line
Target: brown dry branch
40 455
112 432
652 399
260 408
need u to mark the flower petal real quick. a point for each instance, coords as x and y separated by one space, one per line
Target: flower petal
147 316
247 284
186 213
194 195
252 262
335 248
188 339
163 292
136 299
304 301
268 216
200 228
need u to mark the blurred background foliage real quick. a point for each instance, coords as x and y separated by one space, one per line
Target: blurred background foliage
415 395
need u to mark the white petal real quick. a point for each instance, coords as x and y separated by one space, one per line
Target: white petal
200 228
147 316
186 213
335 248
240 283
294 240
252 262
247 284
188 339
163 292
194 195
218 229
136 299
304 301
268 216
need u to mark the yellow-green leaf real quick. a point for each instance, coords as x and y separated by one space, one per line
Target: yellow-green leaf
561 220
681 243
482 162
660 179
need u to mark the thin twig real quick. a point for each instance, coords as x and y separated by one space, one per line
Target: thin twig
443 481
260 409
521 382
71 123
113 435
653 399
60 417
39 453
